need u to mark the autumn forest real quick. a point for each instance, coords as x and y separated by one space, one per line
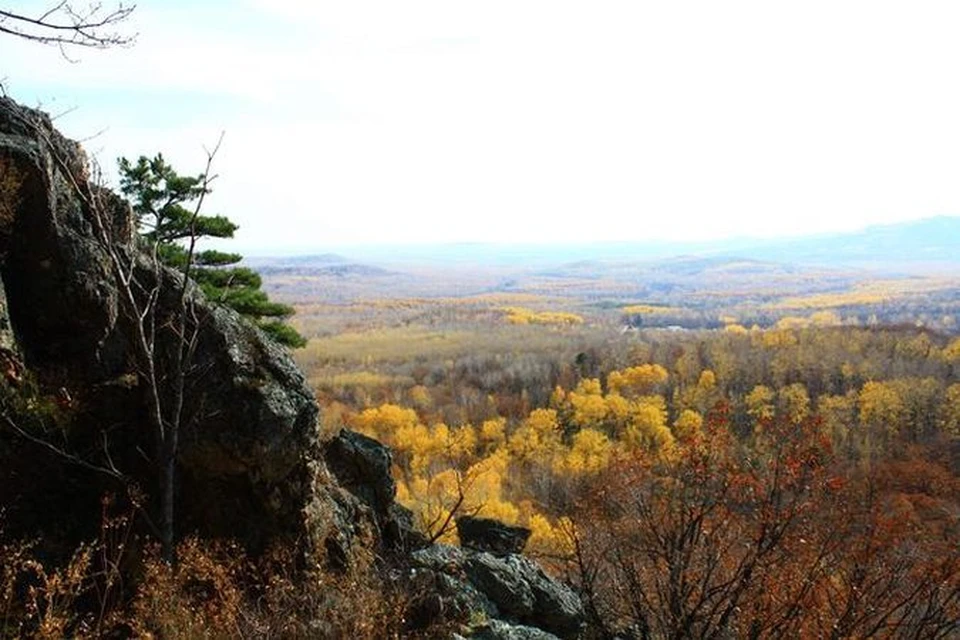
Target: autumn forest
767 457
479 321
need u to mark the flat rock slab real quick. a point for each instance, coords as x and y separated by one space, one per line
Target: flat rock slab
493 536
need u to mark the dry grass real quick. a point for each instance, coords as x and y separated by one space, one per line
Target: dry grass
214 591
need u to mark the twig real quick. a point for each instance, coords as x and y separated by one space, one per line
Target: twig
60 452
64 26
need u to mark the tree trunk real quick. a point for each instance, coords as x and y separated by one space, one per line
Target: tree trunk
167 492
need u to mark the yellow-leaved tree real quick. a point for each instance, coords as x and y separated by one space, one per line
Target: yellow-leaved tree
647 429
589 452
589 409
794 402
950 422
537 438
881 411
687 426
639 380
760 403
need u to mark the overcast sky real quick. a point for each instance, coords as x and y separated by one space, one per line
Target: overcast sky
519 121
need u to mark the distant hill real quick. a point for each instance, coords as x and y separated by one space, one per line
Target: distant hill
335 270
318 265
931 241
351 269
288 262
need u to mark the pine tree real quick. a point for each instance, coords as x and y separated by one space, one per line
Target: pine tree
161 200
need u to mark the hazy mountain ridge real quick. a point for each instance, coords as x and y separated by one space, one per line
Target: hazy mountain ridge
765 270
926 243
930 240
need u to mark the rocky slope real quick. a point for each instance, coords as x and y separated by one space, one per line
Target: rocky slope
250 466
248 445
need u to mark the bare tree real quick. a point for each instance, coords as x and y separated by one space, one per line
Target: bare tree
716 543
162 318
164 333
66 25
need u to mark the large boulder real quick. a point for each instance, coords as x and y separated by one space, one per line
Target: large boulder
249 459
519 587
443 568
362 466
487 534
510 589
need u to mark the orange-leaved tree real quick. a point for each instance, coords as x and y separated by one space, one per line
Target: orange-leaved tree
719 539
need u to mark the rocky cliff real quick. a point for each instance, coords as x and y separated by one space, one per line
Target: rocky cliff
250 464
248 451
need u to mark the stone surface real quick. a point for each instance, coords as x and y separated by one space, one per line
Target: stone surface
486 534
440 557
556 607
362 466
500 630
445 566
497 579
511 588
249 440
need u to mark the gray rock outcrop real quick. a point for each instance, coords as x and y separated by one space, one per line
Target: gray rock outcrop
486 534
510 589
500 630
249 452
361 465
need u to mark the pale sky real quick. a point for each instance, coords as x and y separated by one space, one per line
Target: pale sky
363 121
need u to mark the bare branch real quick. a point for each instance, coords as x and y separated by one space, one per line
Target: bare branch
65 26
453 511
60 452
